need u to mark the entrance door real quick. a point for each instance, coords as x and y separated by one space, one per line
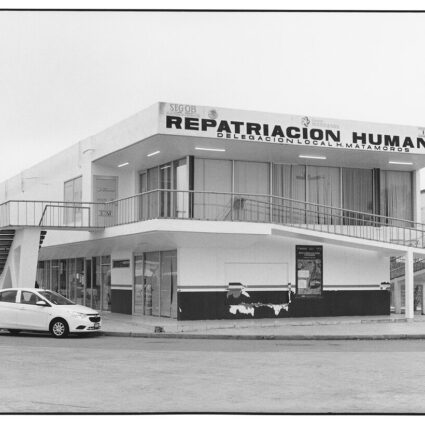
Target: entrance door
168 284
151 282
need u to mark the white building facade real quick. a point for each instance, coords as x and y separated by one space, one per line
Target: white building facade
194 212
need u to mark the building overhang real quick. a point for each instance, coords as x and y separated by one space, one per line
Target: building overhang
173 147
170 234
178 130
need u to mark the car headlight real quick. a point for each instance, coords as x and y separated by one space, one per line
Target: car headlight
78 315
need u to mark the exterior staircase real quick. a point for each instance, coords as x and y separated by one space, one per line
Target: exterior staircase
6 239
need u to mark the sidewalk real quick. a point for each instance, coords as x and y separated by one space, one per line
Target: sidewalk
308 328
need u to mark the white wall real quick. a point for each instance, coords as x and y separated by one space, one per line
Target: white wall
127 178
45 180
341 266
122 278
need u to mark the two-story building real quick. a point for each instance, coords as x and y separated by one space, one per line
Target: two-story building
195 212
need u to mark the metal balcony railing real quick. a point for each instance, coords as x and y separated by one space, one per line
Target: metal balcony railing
214 206
224 206
397 266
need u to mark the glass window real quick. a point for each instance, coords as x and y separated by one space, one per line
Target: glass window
139 288
55 275
212 175
62 278
72 282
251 178
55 298
165 172
152 197
79 280
106 282
155 284
73 193
324 188
357 195
289 181
8 296
396 194
181 184
29 298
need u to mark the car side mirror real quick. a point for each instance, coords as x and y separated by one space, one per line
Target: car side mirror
42 304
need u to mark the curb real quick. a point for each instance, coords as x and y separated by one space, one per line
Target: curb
187 328
266 337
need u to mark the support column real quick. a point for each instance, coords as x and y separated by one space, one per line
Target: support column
409 285
20 270
423 300
397 296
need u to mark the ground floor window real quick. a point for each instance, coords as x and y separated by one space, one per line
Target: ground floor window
155 284
85 281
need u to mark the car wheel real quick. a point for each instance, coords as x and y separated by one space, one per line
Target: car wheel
14 331
59 328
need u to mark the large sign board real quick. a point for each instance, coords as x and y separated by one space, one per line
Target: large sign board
249 126
309 272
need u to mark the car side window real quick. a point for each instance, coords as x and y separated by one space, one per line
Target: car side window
8 296
29 298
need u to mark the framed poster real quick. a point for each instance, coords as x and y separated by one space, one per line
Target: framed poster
105 190
309 269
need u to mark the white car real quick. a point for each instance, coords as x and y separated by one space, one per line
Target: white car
42 310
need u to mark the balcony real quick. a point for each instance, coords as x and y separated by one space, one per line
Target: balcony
212 206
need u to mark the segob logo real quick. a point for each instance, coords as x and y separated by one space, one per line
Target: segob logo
212 114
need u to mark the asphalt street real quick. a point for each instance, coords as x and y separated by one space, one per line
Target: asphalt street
112 374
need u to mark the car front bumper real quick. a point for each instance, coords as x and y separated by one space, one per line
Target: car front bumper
84 325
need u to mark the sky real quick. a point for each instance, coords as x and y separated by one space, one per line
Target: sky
67 75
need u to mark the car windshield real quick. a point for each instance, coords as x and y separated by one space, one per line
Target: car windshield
55 298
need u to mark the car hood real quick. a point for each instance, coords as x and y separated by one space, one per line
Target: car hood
77 308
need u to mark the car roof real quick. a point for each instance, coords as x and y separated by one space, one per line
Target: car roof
23 289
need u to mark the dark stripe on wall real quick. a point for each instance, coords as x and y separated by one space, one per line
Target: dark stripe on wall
216 305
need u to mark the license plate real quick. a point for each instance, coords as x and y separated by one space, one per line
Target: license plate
96 325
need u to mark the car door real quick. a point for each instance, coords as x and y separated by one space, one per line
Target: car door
30 315
8 309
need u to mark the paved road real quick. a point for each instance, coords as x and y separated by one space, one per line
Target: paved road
93 374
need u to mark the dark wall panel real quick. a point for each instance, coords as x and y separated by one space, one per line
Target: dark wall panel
121 301
216 305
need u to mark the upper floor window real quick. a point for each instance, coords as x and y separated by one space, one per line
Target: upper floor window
73 192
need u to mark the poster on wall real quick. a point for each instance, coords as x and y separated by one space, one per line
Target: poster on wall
309 272
105 191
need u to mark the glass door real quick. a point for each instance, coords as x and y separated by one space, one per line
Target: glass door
139 288
168 298
151 282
